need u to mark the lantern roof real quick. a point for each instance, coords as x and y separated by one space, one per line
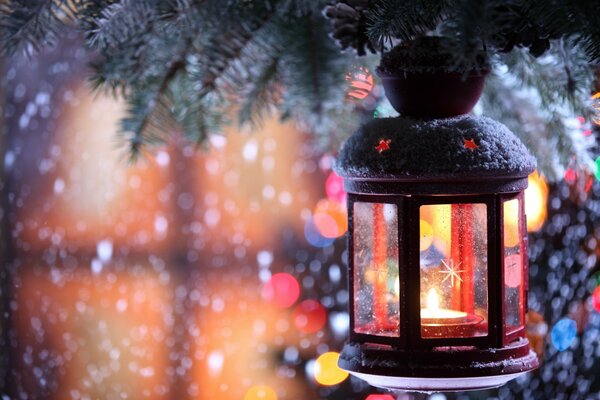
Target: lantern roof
403 148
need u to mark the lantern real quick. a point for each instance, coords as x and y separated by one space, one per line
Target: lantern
437 253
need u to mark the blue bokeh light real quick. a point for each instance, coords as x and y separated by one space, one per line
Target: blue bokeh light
563 334
312 235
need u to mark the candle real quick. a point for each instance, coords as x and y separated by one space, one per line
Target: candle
434 315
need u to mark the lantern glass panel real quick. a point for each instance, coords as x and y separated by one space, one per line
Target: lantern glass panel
513 266
454 270
376 281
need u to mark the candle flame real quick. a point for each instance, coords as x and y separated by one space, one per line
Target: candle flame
433 300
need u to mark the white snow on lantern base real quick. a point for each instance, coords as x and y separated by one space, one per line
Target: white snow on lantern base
430 385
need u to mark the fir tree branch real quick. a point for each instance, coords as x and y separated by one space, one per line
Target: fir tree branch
531 97
119 23
35 23
143 113
402 19
261 95
230 48
314 74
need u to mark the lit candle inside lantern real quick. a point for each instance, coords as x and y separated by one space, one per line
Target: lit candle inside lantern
434 315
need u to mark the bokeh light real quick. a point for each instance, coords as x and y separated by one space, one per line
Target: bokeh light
282 290
309 316
380 397
314 237
596 106
327 372
260 392
330 218
326 225
536 196
334 188
426 232
596 298
570 176
563 333
537 330
511 223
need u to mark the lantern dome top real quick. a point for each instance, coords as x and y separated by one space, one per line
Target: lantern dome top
403 148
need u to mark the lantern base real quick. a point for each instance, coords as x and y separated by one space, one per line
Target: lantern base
438 369
432 385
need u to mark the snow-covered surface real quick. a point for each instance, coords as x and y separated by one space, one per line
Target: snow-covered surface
433 148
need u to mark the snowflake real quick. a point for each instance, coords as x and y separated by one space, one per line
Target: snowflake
451 272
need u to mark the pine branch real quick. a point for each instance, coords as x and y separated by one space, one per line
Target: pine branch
33 23
402 19
474 27
119 23
561 75
578 19
531 99
222 51
314 74
262 94
149 114
135 45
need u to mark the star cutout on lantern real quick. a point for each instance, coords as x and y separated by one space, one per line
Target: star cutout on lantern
452 272
470 144
384 144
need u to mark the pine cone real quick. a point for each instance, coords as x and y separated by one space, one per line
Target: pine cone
349 24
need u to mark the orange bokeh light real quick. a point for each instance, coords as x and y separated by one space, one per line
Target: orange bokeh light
327 372
426 233
596 106
260 392
330 218
536 197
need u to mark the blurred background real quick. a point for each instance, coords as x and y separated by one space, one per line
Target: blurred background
219 272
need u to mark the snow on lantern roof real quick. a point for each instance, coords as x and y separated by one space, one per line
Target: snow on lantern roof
407 149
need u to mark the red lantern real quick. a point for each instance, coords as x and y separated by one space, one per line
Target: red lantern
437 254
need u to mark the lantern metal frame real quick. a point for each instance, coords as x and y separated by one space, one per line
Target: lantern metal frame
409 361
